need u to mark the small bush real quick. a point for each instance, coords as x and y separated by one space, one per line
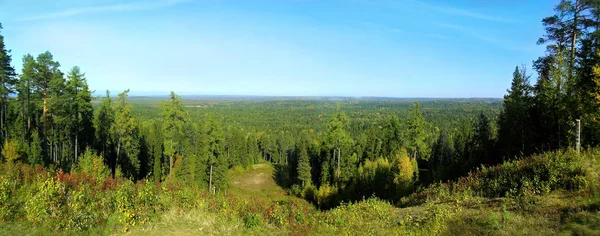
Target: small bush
83 209
93 165
309 192
125 210
252 220
5 197
9 151
45 204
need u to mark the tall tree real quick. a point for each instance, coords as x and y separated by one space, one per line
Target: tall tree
80 109
27 97
417 136
46 69
7 83
217 158
304 169
103 122
482 142
57 120
174 118
515 121
337 138
442 157
125 135
392 130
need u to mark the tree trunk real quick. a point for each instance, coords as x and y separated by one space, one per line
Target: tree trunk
116 158
574 38
339 158
28 110
51 154
210 179
75 148
171 159
2 121
339 161
286 156
44 109
5 122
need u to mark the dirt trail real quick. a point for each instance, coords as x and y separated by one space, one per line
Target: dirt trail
259 177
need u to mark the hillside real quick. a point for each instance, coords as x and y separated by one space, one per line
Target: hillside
552 193
458 208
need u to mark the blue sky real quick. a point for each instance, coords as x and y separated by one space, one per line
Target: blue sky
401 48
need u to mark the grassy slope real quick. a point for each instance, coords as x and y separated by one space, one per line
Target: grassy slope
458 213
256 182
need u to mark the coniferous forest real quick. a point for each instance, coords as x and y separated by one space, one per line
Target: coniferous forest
75 163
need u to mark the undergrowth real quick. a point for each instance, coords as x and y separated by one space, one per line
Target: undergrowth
545 194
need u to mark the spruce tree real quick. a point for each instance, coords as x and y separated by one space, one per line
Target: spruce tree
304 169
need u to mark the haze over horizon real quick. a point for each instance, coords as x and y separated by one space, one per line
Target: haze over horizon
401 49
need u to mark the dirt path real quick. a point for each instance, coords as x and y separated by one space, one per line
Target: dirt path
258 178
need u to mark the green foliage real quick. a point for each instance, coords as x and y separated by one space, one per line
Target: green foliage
103 122
349 150
304 169
34 152
45 201
6 189
9 151
173 120
515 120
125 133
80 109
93 165
82 208
252 220
535 175
374 178
417 144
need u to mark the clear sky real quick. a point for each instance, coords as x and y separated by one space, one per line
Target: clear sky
392 48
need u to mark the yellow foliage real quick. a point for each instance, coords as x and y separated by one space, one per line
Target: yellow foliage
9 151
324 193
405 170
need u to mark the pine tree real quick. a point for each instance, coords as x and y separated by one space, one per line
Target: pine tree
174 118
57 120
417 145
124 132
80 109
482 142
27 98
392 135
46 69
103 122
9 151
217 159
7 84
304 169
515 120
34 152
338 141
155 141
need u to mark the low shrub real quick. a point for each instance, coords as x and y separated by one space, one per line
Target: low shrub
531 176
46 203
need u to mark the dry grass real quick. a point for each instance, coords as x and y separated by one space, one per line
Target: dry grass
258 178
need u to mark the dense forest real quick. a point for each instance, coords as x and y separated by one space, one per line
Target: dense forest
327 152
